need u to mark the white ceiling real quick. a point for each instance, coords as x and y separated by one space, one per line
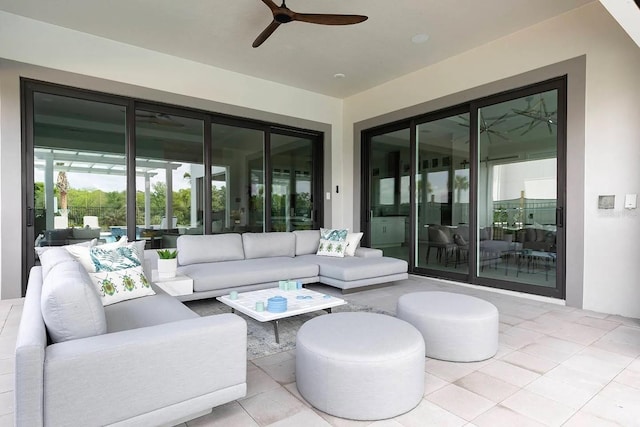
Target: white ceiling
298 54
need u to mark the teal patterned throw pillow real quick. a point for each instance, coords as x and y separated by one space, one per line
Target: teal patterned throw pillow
113 259
119 275
335 235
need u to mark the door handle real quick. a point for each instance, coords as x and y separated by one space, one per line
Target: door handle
559 217
31 217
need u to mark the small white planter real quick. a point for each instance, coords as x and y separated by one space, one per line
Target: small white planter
167 268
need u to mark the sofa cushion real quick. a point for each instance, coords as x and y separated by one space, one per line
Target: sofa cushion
265 245
209 248
52 257
355 268
307 241
42 249
149 311
71 307
221 275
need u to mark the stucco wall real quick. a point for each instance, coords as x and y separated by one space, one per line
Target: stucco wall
603 248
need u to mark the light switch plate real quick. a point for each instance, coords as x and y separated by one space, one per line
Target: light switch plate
630 201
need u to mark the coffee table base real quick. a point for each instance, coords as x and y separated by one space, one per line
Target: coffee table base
275 324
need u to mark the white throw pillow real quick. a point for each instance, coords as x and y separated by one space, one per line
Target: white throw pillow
331 248
121 285
353 240
81 253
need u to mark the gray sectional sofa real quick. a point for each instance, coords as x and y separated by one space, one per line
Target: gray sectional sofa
220 263
145 361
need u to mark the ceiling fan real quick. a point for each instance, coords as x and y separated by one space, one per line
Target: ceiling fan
160 119
282 15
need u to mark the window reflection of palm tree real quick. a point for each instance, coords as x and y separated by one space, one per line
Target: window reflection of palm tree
429 188
460 183
62 184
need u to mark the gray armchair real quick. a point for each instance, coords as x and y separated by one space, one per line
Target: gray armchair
440 239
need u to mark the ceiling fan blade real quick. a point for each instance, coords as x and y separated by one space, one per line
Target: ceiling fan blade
271 5
266 33
328 19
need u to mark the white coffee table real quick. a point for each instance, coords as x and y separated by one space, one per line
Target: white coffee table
246 304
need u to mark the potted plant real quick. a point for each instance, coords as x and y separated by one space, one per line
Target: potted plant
167 264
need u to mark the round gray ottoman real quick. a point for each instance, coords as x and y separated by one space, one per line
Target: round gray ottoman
360 366
455 327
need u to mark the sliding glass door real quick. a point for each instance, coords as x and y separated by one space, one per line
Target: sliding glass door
389 177
169 170
519 197
474 193
442 193
237 179
292 182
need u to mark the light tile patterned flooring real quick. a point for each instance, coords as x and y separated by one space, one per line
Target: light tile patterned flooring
556 366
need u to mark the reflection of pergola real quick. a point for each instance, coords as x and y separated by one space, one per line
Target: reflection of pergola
52 161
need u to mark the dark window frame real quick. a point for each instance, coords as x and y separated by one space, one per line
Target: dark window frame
28 87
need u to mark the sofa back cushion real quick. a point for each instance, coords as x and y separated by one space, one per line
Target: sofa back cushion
267 245
71 307
52 257
307 241
209 248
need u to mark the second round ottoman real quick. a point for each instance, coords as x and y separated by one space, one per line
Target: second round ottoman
360 366
455 327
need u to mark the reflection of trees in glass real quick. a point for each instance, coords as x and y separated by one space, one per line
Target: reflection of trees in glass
460 183
303 204
218 198
38 194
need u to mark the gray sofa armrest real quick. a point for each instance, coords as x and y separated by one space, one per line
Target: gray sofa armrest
140 370
30 350
368 252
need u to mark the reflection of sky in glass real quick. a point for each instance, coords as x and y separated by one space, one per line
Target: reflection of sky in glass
439 190
108 183
386 191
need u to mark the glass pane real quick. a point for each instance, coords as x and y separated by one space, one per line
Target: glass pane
442 194
291 183
169 177
390 197
517 191
79 169
237 179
